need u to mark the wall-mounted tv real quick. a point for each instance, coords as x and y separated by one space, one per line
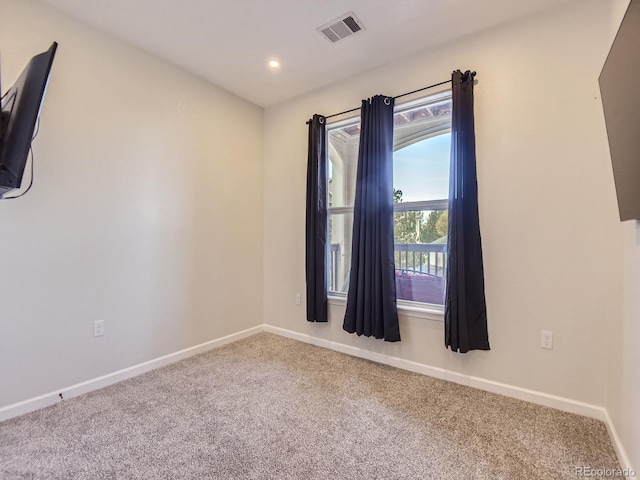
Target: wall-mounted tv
621 102
20 110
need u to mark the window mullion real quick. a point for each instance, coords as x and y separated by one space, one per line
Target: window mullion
421 205
339 210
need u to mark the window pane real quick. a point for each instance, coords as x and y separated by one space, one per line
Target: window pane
420 255
421 288
420 173
339 255
343 162
421 144
421 170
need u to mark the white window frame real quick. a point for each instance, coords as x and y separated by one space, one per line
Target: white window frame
405 308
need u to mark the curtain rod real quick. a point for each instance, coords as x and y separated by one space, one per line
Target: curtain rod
473 74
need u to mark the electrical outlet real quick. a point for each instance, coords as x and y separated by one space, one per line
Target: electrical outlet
546 339
298 299
98 328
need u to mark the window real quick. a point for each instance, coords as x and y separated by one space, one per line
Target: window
422 137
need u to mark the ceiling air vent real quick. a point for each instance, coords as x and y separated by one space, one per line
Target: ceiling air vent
342 27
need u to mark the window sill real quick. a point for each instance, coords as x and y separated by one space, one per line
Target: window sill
405 309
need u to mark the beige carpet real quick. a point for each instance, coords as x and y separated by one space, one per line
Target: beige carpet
269 407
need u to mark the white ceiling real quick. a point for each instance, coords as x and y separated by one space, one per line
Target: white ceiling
228 42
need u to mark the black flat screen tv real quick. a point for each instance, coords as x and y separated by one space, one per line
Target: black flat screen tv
621 101
20 110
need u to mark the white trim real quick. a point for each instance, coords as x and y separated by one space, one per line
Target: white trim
623 458
533 396
444 93
540 398
52 398
336 298
417 206
420 310
405 308
421 205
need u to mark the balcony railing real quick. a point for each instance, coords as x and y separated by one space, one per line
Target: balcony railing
420 269
421 258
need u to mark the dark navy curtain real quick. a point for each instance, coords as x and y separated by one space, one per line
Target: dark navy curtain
465 315
371 302
316 222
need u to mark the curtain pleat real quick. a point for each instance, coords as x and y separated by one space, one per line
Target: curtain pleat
371 301
316 222
465 305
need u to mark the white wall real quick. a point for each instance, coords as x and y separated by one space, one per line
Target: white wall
623 381
624 358
144 212
547 202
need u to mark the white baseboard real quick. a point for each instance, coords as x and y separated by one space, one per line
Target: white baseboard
623 458
533 396
540 398
51 398
545 399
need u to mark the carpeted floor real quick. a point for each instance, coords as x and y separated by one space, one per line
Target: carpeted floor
272 408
